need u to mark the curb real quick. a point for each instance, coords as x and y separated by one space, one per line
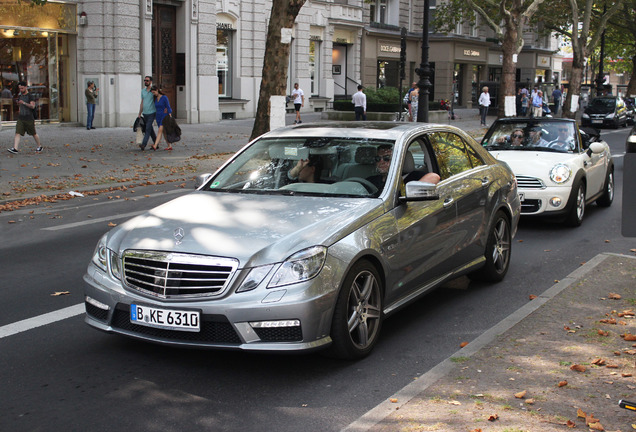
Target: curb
381 411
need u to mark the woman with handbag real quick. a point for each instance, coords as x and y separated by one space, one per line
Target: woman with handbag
162 104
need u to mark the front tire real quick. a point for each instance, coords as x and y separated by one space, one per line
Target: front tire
577 208
497 251
358 313
606 199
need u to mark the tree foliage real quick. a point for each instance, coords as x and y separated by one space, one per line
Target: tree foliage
508 20
275 60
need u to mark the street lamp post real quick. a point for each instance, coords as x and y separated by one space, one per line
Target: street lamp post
424 71
600 79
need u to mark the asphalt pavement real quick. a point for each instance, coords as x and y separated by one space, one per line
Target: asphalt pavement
76 160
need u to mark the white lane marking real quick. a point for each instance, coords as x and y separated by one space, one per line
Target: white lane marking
41 320
92 221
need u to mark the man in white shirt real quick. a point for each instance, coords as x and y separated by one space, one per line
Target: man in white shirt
299 101
359 100
484 103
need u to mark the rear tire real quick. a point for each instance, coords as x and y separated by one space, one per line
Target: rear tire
357 317
497 251
606 199
577 208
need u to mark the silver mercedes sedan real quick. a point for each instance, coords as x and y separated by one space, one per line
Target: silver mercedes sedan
307 239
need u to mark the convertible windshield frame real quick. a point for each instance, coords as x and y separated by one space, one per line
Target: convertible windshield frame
545 135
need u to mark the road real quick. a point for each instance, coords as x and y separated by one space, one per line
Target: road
59 374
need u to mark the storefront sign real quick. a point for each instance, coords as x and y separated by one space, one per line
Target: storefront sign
543 61
472 53
224 26
61 17
389 48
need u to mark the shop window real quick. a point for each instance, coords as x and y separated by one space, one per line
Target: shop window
384 11
224 61
314 66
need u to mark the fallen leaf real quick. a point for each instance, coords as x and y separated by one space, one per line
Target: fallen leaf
612 366
530 401
598 362
590 420
521 394
596 426
111 224
393 400
463 344
563 383
532 296
614 296
626 375
609 321
578 368
493 417
570 424
60 293
629 337
602 333
453 402
581 413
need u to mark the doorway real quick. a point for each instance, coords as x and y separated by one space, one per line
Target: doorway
164 51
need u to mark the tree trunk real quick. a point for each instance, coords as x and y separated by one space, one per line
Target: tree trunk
574 87
509 69
275 61
631 87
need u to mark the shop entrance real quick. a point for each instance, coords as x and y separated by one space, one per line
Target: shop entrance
164 51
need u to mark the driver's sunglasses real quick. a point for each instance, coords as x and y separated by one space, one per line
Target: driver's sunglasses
383 158
517 136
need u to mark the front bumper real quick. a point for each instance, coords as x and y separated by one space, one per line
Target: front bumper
539 202
227 322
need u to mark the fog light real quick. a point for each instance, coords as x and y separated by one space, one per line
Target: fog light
275 324
96 303
555 201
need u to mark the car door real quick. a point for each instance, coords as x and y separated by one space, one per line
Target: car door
425 230
468 180
595 166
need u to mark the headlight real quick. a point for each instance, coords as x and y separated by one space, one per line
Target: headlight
610 116
100 256
585 115
560 173
301 266
254 278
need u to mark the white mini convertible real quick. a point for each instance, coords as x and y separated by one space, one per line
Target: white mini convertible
559 167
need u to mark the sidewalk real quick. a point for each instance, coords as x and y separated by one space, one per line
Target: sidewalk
542 369
76 159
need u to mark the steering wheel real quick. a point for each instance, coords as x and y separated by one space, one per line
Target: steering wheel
364 182
560 145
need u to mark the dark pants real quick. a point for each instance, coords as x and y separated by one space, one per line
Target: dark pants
360 113
150 131
483 110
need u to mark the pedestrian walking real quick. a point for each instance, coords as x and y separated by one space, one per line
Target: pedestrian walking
407 99
484 103
415 98
556 99
26 119
299 101
91 94
359 101
524 104
537 104
162 107
149 111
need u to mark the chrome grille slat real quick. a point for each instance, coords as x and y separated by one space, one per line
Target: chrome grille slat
171 275
524 182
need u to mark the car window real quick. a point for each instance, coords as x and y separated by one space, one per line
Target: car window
532 135
450 152
341 166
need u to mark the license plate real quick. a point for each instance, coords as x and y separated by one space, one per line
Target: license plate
597 121
522 196
168 319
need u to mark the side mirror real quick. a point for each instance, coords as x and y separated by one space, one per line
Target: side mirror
420 191
595 147
201 180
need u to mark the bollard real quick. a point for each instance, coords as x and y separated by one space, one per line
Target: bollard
629 189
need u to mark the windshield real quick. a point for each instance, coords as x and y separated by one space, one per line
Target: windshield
607 104
325 166
551 136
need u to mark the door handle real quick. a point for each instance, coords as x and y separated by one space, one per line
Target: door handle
448 202
485 181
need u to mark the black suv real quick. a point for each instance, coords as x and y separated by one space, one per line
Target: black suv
605 111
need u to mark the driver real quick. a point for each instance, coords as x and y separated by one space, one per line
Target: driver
564 139
307 170
383 161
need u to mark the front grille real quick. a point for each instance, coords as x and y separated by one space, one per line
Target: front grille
524 182
214 329
531 206
280 334
172 275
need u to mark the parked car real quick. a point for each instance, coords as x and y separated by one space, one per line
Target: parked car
630 106
264 256
605 111
559 167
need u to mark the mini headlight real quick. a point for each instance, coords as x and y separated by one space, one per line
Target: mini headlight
100 256
301 266
115 265
560 173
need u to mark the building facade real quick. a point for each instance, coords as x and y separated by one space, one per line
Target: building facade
207 55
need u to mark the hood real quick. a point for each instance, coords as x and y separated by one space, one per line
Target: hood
598 109
533 163
255 229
